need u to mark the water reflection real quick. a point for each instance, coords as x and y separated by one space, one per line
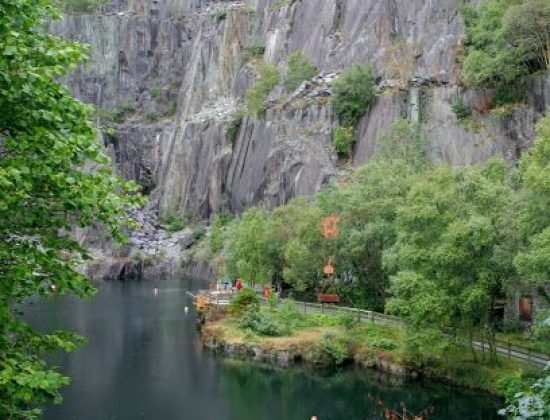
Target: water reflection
143 361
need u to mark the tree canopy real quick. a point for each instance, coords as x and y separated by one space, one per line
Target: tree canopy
505 41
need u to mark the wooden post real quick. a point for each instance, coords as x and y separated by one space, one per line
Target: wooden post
305 308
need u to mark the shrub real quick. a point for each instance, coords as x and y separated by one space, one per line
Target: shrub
176 225
246 299
460 109
510 384
256 49
268 77
170 108
299 69
353 92
288 315
383 344
234 127
151 116
220 15
199 232
343 140
156 92
330 350
261 323
174 222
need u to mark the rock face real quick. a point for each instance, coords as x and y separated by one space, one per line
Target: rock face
169 76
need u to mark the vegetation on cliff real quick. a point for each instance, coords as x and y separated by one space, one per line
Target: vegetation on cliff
506 41
53 178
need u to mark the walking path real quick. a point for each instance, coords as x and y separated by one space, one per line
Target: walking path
506 349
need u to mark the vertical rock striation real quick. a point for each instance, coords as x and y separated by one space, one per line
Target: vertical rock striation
169 76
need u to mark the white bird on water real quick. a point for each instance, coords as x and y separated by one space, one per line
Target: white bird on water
186 309
156 291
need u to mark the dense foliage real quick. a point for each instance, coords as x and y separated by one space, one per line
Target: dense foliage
353 92
53 178
436 245
506 40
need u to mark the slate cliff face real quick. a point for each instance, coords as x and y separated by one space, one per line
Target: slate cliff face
170 74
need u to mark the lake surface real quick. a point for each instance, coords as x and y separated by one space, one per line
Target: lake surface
143 360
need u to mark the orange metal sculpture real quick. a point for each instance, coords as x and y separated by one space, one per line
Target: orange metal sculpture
330 226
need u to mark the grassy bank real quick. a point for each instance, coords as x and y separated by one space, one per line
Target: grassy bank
334 339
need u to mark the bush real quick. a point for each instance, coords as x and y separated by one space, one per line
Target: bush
170 108
151 116
288 315
343 140
256 49
256 96
383 344
511 384
460 109
246 299
199 232
220 15
353 92
234 127
261 323
330 350
299 69
174 223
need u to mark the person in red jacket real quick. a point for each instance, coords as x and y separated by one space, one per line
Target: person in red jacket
239 284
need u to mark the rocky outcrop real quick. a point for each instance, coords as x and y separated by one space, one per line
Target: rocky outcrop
169 76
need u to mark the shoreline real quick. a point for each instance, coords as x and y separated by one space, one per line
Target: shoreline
300 354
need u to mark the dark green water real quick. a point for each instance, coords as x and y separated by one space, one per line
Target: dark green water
143 361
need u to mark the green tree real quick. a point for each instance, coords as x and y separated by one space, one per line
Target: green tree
528 27
489 58
533 262
449 259
299 69
505 41
367 207
53 178
252 254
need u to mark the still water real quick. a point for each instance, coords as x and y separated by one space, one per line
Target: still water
143 361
